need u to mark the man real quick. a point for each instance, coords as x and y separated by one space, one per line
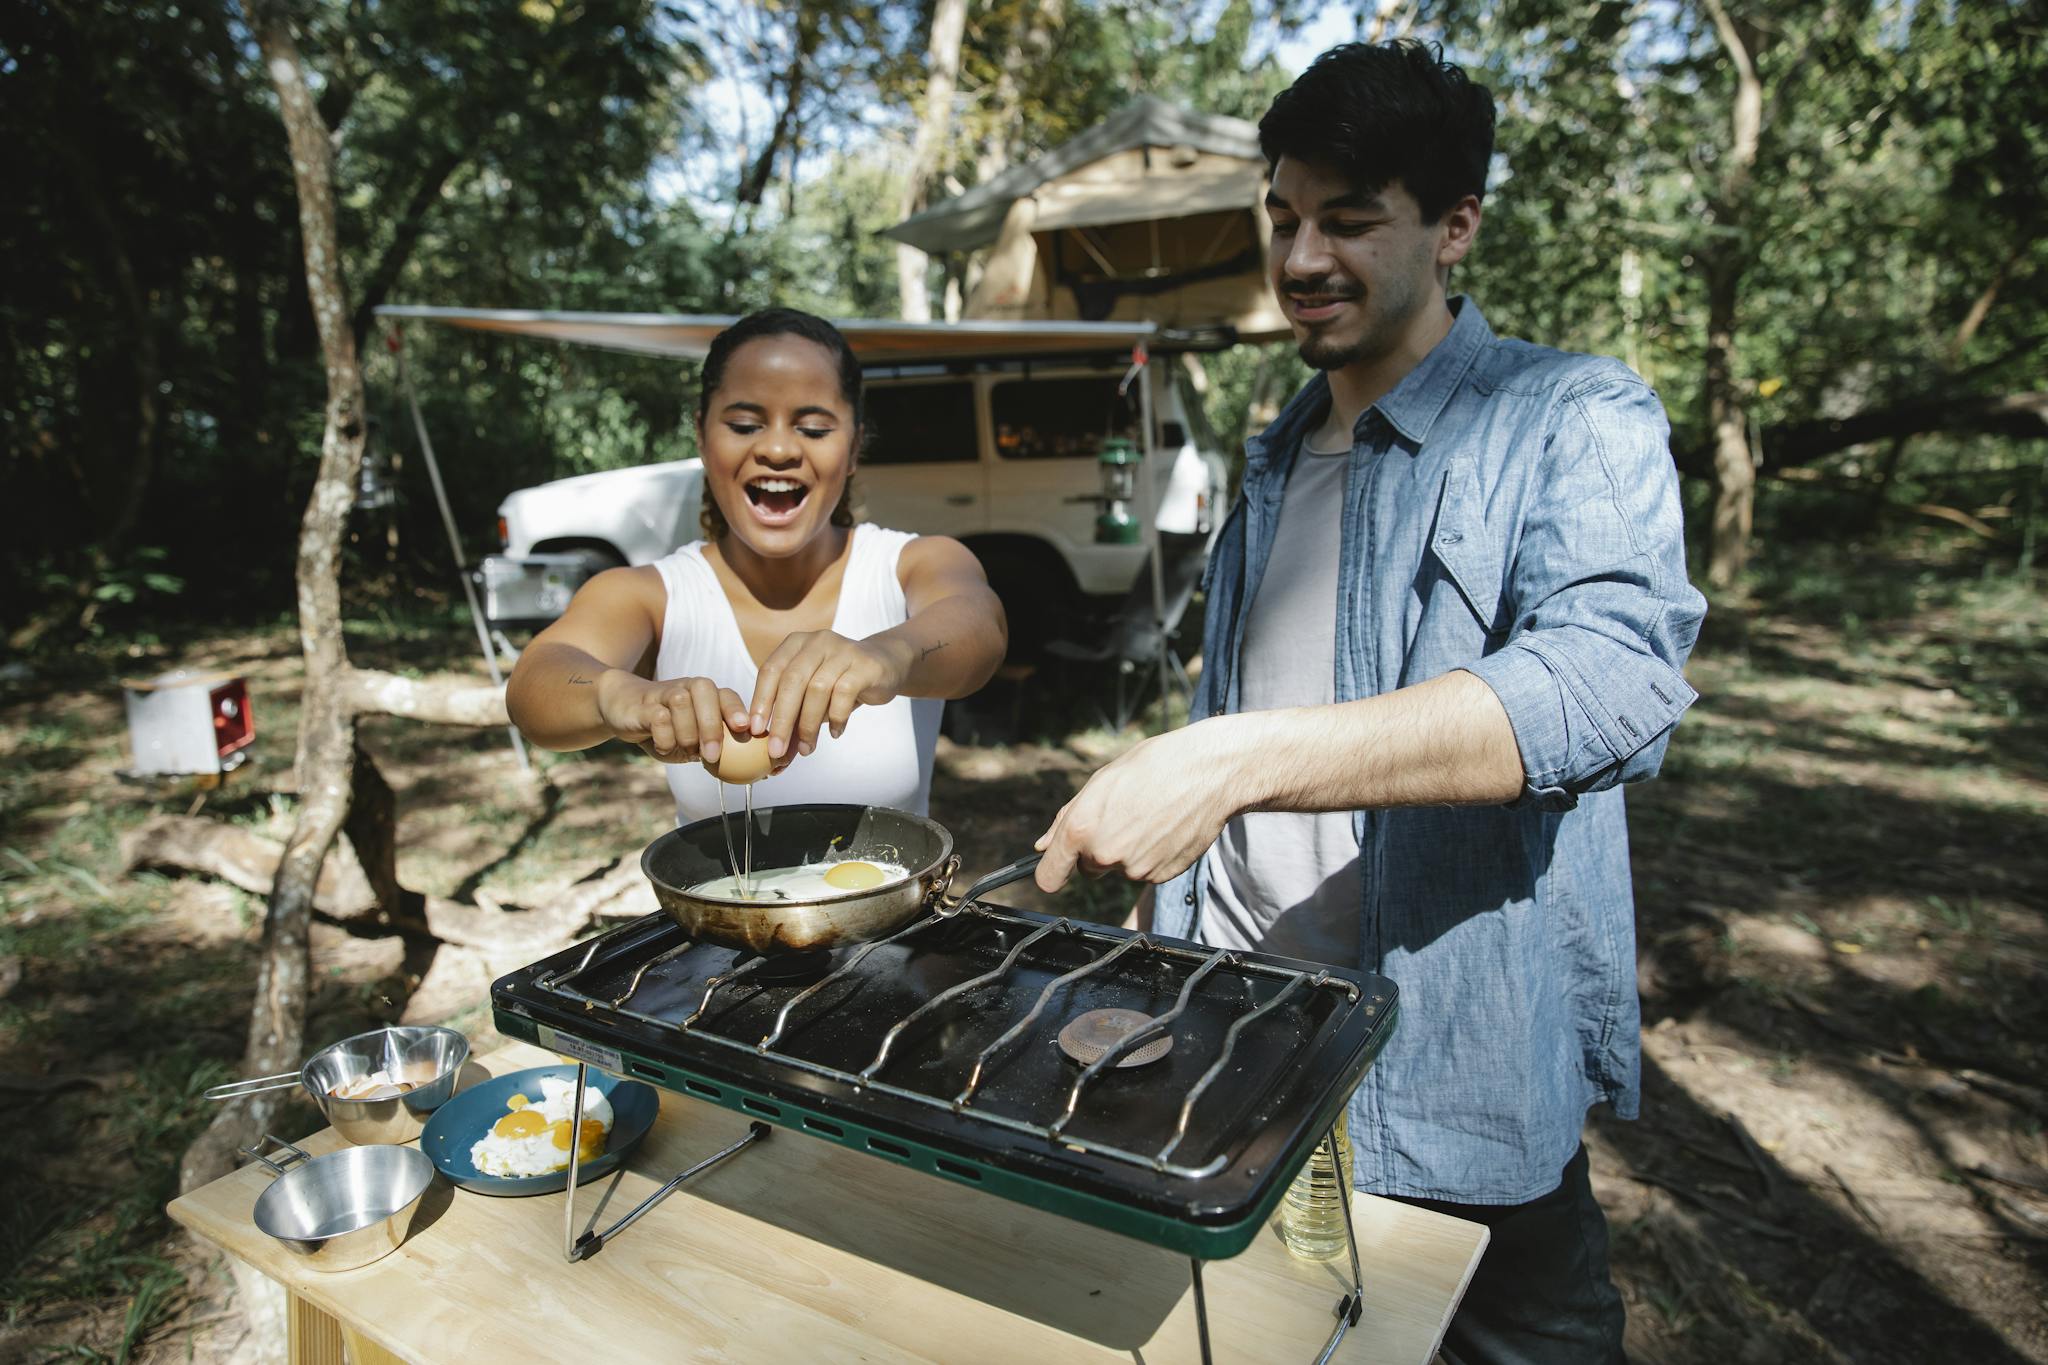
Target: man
1445 623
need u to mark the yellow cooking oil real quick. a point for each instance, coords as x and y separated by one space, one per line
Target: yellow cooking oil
1312 1211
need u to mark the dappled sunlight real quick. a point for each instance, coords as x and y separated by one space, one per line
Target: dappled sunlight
1841 934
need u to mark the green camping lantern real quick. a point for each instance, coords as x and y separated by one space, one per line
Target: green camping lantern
1118 461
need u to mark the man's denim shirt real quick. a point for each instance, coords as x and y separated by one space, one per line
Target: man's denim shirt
1512 511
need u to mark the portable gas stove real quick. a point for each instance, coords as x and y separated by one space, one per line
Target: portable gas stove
1146 1085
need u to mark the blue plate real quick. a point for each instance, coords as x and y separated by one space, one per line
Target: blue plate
462 1121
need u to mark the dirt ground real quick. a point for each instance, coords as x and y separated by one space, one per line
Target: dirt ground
1841 881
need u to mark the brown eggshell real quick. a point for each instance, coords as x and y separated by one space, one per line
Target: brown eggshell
741 761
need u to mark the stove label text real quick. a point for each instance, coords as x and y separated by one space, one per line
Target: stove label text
602 1057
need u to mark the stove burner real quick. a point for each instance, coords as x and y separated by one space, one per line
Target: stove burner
787 968
1087 1038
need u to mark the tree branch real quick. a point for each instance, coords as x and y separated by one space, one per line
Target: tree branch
808 33
1786 446
412 222
438 702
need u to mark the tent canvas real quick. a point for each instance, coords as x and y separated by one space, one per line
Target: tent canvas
1155 214
973 219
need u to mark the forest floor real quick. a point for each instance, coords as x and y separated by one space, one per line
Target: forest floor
1842 903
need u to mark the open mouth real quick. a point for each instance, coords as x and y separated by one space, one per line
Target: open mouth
776 499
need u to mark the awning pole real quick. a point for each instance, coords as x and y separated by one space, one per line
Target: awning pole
1154 497
476 613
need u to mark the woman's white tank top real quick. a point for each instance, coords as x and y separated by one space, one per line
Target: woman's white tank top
885 756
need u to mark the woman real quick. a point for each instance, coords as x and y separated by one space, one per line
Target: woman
844 639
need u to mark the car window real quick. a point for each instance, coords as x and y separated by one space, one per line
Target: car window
1060 419
920 424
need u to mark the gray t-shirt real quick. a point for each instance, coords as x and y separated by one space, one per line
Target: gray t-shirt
1280 882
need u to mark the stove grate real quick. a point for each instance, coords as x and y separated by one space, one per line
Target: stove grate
1206 961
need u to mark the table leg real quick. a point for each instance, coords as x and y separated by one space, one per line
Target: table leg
318 1338
363 1351
315 1336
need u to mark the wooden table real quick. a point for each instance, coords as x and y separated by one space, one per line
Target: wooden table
797 1249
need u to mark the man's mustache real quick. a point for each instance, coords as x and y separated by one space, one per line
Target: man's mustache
1323 288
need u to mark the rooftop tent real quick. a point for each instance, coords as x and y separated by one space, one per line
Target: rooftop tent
875 341
1155 214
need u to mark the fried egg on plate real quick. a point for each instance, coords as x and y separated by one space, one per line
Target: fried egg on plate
532 1138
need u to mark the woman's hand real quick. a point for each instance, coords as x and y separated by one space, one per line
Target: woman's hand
677 720
815 678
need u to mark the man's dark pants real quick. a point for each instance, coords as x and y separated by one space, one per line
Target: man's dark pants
1541 1295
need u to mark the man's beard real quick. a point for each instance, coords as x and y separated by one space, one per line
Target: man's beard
1384 324
1320 353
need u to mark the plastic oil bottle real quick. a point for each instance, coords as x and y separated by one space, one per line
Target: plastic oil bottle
1311 1212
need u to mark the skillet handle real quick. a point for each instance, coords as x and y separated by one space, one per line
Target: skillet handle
276 1167
255 1085
1002 876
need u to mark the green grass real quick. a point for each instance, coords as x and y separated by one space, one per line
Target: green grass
103 1247
1806 679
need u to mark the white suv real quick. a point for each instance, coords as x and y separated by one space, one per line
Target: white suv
1000 455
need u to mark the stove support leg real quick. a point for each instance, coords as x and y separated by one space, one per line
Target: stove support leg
1352 1304
1349 1307
575 1162
576 1248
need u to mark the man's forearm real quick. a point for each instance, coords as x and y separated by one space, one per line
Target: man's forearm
1152 812
552 697
1443 742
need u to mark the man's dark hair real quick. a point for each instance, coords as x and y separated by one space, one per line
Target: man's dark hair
777 322
1386 112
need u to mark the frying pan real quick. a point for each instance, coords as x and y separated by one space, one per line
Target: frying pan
789 836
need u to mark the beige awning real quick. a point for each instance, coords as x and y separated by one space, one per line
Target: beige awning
876 341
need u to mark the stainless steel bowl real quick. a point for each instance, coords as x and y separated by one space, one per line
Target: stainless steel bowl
345 1209
429 1056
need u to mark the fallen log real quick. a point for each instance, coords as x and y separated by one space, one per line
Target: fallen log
439 701
502 934
244 858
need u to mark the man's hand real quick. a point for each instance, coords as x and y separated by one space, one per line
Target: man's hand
678 720
1153 812
815 678
1149 815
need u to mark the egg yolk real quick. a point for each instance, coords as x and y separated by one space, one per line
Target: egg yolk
854 876
520 1123
517 1102
591 1139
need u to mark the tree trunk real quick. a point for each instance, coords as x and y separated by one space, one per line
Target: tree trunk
1724 260
1728 426
326 747
934 125
371 830
1029 48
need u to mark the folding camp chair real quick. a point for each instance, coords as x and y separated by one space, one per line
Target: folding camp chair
1132 643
